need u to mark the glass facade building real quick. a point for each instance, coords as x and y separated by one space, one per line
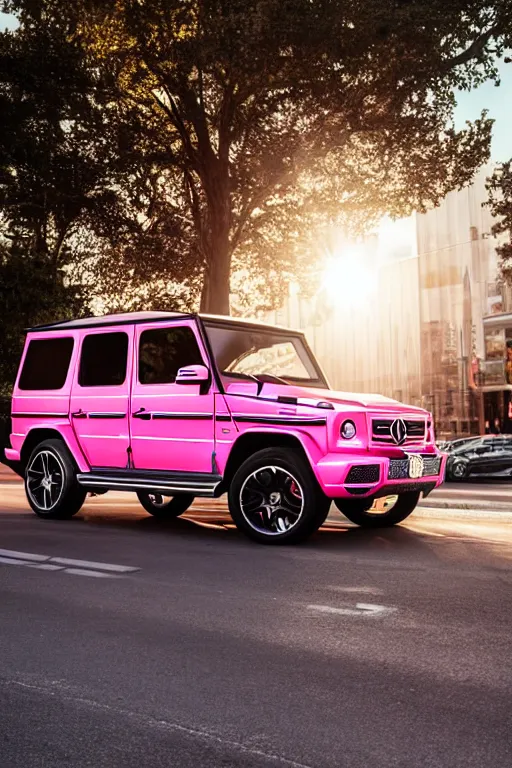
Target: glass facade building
434 329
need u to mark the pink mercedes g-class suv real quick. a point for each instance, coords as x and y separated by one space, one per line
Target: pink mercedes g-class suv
175 406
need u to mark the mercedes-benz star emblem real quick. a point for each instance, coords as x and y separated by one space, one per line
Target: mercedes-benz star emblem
398 431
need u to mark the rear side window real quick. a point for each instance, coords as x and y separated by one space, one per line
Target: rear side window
103 360
163 351
46 364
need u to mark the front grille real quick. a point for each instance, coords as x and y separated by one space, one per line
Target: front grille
415 431
431 466
364 474
399 468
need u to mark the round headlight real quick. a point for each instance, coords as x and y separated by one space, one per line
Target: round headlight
348 430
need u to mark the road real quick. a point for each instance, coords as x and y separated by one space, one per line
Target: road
186 645
474 492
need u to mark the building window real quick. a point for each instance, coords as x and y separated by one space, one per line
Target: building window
46 364
163 351
103 360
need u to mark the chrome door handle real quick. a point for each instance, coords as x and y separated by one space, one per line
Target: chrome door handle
142 414
79 414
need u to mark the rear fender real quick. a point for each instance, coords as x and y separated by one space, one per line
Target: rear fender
65 433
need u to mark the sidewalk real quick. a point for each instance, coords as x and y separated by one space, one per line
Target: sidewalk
479 504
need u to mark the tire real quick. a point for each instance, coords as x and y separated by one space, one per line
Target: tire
164 507
274 498
457 471
358 512
62 497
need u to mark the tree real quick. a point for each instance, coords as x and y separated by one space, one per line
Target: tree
31 294
279 113
263 121
73 191
60 158
499 186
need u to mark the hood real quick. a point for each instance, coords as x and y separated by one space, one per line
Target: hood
340 401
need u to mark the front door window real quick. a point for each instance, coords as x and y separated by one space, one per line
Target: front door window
172 426
163 351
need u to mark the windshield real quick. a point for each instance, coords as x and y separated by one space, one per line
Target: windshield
266 355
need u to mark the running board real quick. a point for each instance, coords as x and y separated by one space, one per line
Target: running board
166 483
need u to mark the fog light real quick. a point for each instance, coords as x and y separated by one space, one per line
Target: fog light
348 430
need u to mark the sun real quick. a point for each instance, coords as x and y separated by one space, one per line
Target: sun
348 280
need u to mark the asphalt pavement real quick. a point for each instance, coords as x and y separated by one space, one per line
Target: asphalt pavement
475 493
128 642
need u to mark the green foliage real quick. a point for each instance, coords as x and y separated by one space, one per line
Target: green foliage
30 294
499 186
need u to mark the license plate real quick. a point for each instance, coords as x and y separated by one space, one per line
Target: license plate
415 467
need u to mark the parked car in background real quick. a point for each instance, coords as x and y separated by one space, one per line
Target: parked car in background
485 455
173 406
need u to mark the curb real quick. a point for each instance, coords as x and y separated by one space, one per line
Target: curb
503 515
477 506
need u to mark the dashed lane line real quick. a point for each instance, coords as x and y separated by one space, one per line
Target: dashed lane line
90 564
93 574
76 567
23 555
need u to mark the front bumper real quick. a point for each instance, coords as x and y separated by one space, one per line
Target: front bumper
367 476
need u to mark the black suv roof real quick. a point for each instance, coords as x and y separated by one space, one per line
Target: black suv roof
133 318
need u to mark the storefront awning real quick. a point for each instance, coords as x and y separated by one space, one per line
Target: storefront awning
502 320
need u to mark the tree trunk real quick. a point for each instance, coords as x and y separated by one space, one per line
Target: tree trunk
215 292
216 285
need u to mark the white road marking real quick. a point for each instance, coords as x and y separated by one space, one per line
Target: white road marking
361 590
94 574
12 561
361 609
47 563
89 564
24 555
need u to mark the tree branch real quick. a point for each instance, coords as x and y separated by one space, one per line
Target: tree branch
474 50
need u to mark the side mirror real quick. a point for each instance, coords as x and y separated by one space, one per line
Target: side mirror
193 374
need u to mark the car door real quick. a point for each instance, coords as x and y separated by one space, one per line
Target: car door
502 454
171 425
483 457
100 395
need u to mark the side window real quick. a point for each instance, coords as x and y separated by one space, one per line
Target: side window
46 364
163 351
103 360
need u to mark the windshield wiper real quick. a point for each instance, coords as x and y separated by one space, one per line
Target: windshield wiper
250 376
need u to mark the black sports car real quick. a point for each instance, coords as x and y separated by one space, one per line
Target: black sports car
486 455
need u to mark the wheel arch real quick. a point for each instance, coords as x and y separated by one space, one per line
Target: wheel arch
38 434
252 441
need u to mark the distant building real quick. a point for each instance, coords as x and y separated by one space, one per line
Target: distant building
465 315
434 330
